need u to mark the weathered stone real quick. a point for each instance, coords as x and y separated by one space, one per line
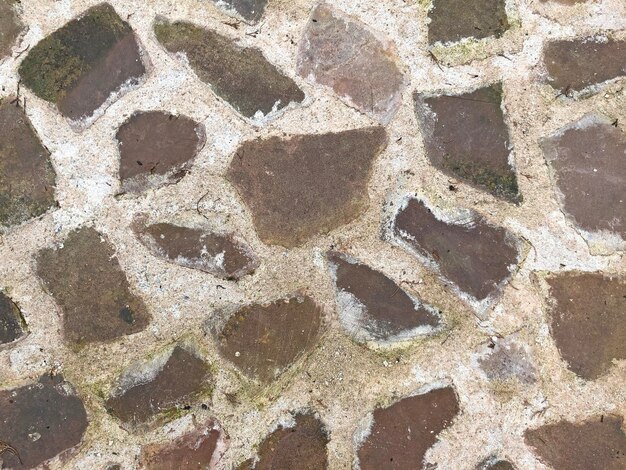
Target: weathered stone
575 64
567 2
473 254
12 325
249 10
241 76
588 321
156 148
400 435
264 340
589 168
495 464
10 26
506 360
466 137
85 278
26 175
599 443
453 20
373 307
305 185
85 62
165 388
40 421
214 253
342 53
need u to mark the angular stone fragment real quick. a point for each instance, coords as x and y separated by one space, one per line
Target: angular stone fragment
249 10
400 435
453 20
588 159
214 253
473 254
495 464
81 65
12 326
575 64
342 53
264 340
598 443
165 385
157 147
506 359
10 26
240 76
588 321
305 185
40 421
85 278
373 307
466 137
26 175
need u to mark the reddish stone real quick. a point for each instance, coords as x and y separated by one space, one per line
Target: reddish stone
10 26
12 325
453 20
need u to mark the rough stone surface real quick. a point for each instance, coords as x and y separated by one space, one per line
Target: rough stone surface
495 464
10 26
12 326
506 359
249 10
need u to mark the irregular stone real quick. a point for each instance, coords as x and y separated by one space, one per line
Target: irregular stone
305 185
84 63
588 321
466 137
575 64
40 421
12 325
495 464
156 148
598 443
10 26
373 307
400 435
453 20
163 386
240 76
342 53
473 254
26 175
506 359
85 278
249 10
214 253
264 340
587 159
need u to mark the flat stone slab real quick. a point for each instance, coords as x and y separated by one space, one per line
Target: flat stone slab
157 148
359 65
12 325
80 66
40 421
597 443
250 10
265 340
465 136
302 186
86 280
400 435
588 321
475 255
27 178
240 76
588 162
10 26
372 307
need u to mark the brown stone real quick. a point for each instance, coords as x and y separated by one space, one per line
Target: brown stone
156 148
401 434
305 185
40 421
598 443
10 26
342 53
495 464
249 10
588 321
589 170
473 254
166 390
264 340
240 76
373 307
26 175
506 359
466 137
12 325
85 278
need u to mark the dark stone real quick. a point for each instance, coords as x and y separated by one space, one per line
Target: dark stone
240 76
466 137
305 185
495 464
475 255
598 443
40 421
401 434
453 20
10 26
249 10
85 278
12 325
